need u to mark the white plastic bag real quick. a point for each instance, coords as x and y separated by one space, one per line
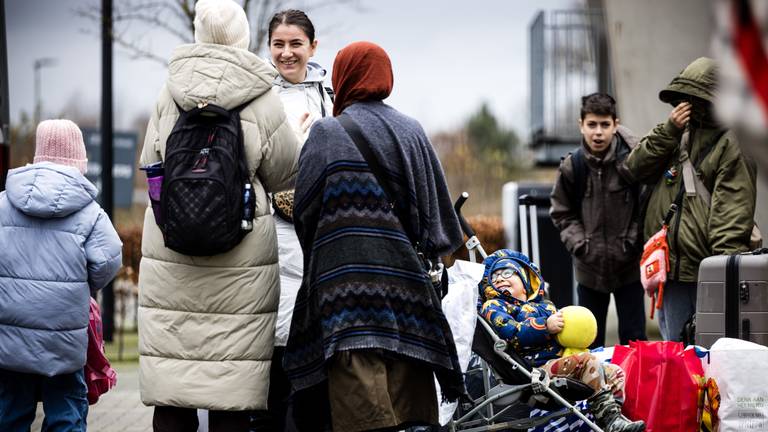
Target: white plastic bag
460 309
740 370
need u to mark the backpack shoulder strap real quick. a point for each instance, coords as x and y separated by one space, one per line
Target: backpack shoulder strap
622 149
580 173
699 188
243 105
354 132
178 107
630 139
331 94
322 91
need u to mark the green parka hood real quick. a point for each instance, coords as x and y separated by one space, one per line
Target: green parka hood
698 79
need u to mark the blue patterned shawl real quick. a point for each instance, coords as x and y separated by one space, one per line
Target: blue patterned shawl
363 285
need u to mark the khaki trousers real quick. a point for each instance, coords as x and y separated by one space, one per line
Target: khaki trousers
373 390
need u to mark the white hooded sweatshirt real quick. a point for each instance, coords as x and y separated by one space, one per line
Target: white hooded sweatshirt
297 100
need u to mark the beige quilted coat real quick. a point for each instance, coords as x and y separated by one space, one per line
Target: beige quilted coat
207 324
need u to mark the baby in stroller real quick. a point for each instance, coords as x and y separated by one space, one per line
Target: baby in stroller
512 302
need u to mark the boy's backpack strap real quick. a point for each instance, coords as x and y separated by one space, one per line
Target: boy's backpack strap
580 174
622 149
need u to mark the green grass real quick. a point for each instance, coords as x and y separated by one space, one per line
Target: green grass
130 352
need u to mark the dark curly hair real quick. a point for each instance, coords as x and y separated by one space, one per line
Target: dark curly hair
598 104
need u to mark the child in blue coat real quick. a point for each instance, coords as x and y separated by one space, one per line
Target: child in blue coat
513 304
57 248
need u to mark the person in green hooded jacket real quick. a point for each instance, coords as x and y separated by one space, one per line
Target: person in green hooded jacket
698 229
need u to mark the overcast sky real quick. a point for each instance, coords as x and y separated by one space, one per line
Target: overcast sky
448 57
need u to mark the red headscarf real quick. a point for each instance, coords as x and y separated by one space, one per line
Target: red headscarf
361 71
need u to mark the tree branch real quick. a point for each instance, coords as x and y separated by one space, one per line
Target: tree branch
137 52
153 14
266 9
178 11
153 20
188 10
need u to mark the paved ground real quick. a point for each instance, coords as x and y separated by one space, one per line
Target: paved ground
119 410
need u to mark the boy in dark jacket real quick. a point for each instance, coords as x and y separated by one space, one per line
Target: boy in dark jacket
513 303
596 206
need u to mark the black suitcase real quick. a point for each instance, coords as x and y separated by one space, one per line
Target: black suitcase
539 239
732 298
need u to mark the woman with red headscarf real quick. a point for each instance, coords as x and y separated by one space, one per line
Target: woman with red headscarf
368 325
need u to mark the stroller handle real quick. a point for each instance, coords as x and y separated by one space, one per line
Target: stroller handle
457 207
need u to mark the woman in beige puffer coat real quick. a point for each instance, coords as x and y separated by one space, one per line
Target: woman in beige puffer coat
207 324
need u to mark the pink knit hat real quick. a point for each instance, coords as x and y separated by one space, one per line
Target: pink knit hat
60 142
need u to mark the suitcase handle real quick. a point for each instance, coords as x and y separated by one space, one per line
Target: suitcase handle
529 200
528 207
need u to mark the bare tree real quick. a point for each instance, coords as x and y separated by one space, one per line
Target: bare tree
175 18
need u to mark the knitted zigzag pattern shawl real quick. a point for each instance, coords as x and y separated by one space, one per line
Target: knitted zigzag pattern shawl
363 285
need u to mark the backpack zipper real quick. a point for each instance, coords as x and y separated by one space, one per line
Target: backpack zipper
201 163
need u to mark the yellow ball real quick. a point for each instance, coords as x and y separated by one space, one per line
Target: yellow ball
579 329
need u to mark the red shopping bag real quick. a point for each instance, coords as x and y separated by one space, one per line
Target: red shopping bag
662 385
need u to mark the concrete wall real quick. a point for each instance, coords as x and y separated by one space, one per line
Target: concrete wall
650 42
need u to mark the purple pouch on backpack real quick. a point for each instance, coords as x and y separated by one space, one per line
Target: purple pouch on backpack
155 174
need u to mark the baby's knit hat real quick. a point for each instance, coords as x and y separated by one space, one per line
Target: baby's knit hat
221 22
60 142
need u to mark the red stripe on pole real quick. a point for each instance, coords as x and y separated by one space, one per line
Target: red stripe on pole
749 47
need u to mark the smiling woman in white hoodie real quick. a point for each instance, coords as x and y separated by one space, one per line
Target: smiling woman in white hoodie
300 83
300 86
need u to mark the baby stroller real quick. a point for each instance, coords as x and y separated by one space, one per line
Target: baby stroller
517 383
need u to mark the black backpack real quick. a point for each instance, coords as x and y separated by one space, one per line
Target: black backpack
204 197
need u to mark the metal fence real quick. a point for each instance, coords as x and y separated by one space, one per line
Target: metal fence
568 59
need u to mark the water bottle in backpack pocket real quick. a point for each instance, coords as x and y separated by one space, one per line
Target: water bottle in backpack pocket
247 223
206 178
